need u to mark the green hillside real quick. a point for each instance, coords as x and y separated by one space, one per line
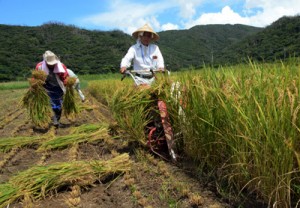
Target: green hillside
94 52
84 51
280 40
200 44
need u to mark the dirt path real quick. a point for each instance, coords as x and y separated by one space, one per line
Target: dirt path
150 183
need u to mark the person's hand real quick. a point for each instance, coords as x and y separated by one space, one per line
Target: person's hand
122 70
161 69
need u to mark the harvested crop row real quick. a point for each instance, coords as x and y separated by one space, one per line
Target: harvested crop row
40 181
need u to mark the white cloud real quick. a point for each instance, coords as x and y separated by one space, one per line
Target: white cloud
128 15
226 16
271 10
269 4
169 26
258 13
187 8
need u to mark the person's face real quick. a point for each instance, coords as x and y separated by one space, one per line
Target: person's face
51 66
146 38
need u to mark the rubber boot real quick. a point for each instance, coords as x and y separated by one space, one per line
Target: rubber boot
56 117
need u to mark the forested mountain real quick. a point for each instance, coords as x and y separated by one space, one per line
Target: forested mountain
278 41
82 50
200 44
94 52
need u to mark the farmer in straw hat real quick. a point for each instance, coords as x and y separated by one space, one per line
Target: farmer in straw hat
144 54
55 83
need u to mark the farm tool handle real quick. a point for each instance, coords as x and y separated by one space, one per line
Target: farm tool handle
147 70
126 73
131 72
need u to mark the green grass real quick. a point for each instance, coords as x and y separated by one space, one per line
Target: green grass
84 81
14 85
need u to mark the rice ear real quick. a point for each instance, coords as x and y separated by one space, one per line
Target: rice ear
70 81
39 75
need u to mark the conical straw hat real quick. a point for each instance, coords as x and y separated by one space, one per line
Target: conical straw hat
146 28
50 58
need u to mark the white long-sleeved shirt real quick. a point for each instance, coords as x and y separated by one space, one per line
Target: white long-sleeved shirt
143 57
72 74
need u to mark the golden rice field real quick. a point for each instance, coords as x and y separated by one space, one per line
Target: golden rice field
239 124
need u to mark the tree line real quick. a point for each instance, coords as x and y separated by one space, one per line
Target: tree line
98 52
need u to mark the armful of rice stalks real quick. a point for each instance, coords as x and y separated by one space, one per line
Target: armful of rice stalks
38 78
70 81
69 104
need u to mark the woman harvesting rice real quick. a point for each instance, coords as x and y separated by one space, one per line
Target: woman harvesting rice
55 82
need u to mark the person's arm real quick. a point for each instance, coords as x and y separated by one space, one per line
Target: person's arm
38 66
160 60
63 76
126 61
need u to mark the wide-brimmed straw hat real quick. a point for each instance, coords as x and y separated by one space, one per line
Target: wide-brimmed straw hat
146 28
50 58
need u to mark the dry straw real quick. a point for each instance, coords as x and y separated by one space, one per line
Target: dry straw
36 100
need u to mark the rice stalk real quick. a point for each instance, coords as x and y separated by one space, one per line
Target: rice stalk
8 157
59 142
73 152
88 128
8 194
7 144
39 75
44 157
40 181
69 105
27 201
74 197
130 107
36 100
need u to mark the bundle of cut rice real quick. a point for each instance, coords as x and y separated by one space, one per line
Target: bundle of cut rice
40 181
69 105
37 101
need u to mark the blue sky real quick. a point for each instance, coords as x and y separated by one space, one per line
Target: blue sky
128 15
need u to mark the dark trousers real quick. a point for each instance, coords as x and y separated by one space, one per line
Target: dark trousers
56 100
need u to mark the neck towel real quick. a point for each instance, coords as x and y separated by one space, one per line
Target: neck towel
57 69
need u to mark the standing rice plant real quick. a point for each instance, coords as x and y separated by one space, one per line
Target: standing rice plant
242 127
36 100
128 104
42 181
262 129
70 107
130 107
104 89
200 127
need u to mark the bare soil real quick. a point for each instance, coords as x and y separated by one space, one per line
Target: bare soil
152 182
